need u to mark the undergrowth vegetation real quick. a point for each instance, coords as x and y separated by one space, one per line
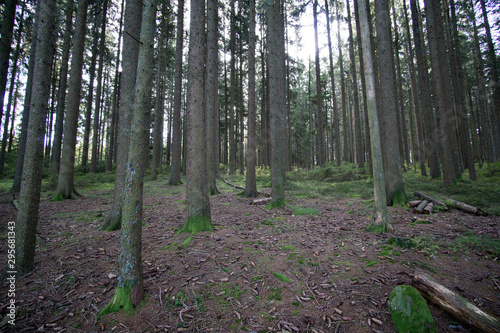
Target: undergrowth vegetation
328 182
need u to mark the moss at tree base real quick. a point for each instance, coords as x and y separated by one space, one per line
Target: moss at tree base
121 301
280 203
409 311
399 198
115 226
197 224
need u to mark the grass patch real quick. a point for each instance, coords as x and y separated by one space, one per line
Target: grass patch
282 277
300 210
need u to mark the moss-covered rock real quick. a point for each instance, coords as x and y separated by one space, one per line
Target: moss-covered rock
409 311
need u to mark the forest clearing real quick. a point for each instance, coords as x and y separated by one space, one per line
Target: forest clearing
310 267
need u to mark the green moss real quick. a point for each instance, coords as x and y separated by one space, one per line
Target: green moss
378 229
58 197
409 311
304 210
121 301
117 225
399 198
282 277
168 246
197 224
280 203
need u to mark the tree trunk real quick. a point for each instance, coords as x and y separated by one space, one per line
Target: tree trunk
232 98
175 167
355 94
442 106
29 198
65 187
251 157
130 291
335 111
276 49
63 83
380 219
389 137
321 159
14 77
97 112
342 91
16 186
431 140
197 196
212 94
130 52
8 18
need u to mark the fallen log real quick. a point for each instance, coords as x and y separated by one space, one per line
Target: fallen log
465 207
424 196
421 206
428 208
414 203
455 305
260 201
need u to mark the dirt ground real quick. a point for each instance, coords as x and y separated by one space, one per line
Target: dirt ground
260 271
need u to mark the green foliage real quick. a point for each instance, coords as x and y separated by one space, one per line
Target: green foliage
472 242
426 244
282 277
409 311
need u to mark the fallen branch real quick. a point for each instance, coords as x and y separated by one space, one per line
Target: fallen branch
465 207
260 201
456 305
424 196
233 185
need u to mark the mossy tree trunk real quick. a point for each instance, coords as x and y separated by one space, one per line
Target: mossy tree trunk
212 95
232 98
381 221
65 186
130 53
7 29
197 199
130 291
321 154
175 167
251 156
277 101
29 198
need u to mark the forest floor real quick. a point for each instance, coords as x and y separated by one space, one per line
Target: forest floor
310 267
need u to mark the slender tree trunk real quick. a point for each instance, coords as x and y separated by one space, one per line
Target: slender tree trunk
8 18
116 95
65 186
97 112
16 186
175 168
449 175
343 92
319 96
416 117
251 157
12 87
197 197
63 83
276 48
380 214
90 98
394 186
495 83
335 111
430 129
130 52
130 290
29 198
212 94
232 108
160 92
